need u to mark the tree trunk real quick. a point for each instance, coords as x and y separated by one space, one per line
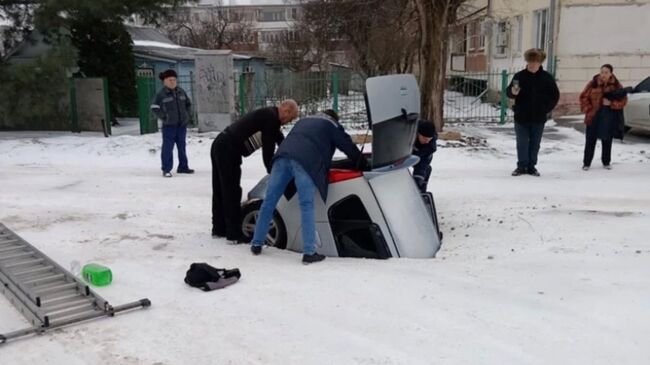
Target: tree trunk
435 17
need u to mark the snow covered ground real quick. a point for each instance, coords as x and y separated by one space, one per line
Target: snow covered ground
548 270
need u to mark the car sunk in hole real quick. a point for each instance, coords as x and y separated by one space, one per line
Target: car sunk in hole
377 213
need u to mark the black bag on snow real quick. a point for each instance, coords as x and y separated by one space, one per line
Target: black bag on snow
207 278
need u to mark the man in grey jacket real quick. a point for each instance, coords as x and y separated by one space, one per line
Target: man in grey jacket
173 107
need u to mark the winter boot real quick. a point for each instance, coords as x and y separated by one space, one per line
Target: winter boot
309 259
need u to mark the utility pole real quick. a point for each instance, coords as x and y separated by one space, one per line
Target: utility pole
489 37
551 38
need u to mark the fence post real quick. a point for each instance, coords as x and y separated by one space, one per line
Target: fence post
335 91
74 116
144 105
107 108
504 96
242 96
195 118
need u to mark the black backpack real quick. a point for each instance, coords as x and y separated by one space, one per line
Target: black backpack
207 278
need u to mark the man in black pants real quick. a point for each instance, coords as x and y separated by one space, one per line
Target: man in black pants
259 128
536 94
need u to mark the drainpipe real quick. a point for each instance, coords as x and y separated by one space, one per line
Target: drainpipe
551 38
489 38
488 44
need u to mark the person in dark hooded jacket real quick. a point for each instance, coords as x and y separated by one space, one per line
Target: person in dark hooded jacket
424 147
536 94
305 156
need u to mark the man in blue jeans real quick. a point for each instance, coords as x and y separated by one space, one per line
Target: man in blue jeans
305 156
536 94
173 107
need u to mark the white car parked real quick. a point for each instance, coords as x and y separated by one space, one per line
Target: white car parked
378 213
637 110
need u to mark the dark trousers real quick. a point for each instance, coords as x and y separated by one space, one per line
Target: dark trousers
173 135
591 137
529 137
422 178
226 192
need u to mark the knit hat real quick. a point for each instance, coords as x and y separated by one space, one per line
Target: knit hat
166 74
426 128
331 113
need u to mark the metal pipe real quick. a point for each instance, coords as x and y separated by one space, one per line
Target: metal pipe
550 64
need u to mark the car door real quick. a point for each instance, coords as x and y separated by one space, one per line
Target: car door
637 110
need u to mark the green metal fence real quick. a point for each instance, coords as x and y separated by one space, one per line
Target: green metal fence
314 91
477 97
148 87
469 97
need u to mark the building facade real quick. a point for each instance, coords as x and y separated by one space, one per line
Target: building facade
261 24
579 35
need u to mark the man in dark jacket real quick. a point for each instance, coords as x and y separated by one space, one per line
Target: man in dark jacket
424 147
173 108
536 94
305 156
259 128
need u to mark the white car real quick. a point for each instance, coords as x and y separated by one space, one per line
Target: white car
637 110
378 213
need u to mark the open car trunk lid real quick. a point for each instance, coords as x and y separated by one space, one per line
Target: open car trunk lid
393 106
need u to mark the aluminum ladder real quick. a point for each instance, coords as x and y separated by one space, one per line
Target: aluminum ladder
45 293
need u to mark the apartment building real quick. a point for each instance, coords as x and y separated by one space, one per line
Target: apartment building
578 35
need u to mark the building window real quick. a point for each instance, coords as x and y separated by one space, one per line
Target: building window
541 28
501 40
294 13
460 41
476 38
273 16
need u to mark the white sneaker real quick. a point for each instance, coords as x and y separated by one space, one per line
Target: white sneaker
167 174
585 168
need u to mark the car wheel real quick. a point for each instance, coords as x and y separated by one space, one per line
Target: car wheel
277 236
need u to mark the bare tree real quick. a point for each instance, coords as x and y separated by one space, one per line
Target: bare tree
380 34
216 27
436 18
298 48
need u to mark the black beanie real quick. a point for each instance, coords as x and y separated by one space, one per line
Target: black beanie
166 74
332 114
426 128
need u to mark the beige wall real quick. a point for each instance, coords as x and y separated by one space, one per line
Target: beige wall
588 34
593 33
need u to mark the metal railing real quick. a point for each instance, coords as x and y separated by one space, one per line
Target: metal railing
469 97
314 92
480 97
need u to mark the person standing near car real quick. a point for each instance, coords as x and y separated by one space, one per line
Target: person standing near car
536 94
305 156
259 128
602 115
424 147
173 108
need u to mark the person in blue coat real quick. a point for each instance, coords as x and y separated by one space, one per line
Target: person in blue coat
304 156
173 108
424 147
